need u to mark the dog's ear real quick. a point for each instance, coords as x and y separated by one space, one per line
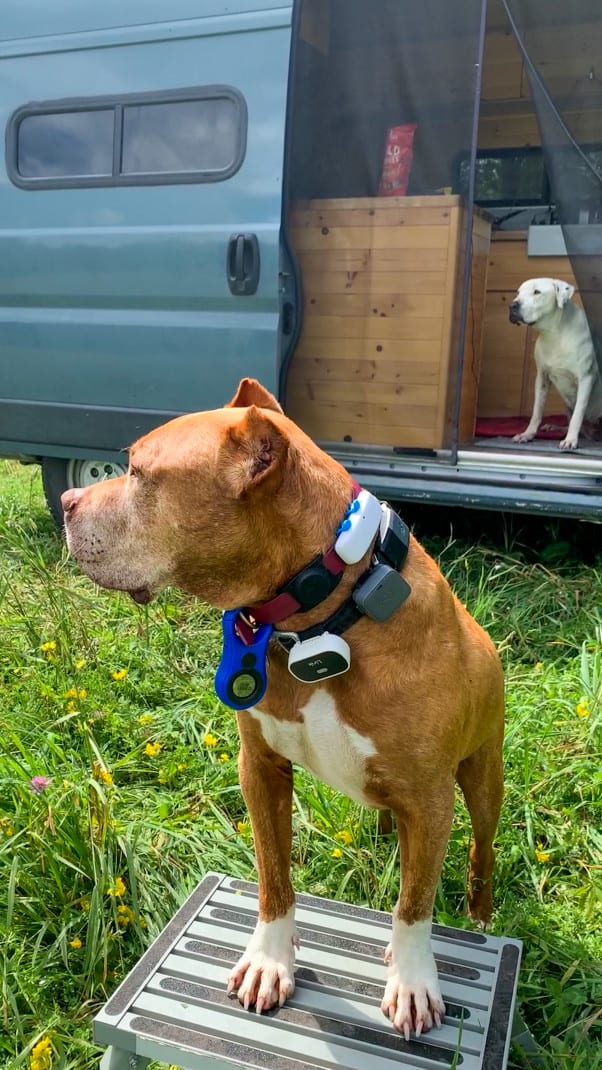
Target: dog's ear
255 454
564 292
250 392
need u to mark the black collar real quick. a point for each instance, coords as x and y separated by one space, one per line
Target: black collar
391 548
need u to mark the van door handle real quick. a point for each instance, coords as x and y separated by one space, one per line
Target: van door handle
242 264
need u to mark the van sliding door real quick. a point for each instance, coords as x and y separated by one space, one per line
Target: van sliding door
140 215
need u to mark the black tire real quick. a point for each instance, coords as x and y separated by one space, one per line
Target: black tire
59 475
54 482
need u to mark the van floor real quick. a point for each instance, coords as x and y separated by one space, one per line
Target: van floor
542 446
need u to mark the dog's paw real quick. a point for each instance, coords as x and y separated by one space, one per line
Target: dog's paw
525 436
264 976
571 442
412 1001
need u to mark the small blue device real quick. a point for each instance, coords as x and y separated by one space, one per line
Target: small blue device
241 678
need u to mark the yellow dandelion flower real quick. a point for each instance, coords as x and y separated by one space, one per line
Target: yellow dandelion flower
50 645
82 693
337 853
344 836
118 889
242 827
539 666
209 739
146 718
79 664
181 767
71 693
119 674
75 943
41 1055
582 708
71 706
540 854
105 776
85 905
224 757
125 915
152 749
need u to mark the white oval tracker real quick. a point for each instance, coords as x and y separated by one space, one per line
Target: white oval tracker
359 528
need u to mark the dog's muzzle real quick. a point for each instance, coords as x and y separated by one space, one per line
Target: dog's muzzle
514 313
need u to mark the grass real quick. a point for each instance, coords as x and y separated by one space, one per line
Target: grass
114 707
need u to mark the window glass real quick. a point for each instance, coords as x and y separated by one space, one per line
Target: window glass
66 144
511 178
180 136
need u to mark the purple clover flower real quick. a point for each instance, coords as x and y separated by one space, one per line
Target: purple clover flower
38 784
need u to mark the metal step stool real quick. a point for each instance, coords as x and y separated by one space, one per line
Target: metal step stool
173 1005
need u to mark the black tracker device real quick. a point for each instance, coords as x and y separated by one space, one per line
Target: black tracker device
382 591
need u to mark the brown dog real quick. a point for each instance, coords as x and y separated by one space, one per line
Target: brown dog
228 505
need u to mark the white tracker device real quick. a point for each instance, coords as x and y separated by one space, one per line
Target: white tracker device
319 658
361 523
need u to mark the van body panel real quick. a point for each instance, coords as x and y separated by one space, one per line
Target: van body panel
115 308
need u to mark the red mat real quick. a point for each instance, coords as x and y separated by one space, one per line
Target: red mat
553 427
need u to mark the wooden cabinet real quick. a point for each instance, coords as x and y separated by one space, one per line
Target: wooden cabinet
376 362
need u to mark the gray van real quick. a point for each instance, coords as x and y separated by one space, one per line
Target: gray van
338 197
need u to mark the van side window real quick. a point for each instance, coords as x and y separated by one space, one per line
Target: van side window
193 135
66 143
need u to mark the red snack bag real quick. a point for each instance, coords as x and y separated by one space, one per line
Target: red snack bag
398 161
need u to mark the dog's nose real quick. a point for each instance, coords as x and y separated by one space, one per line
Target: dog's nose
70 499
514 306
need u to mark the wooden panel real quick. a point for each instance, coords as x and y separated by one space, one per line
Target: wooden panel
394 216
512 130
314 24
382 204
417 260
398 350
502 67
377 283
381 281
369 305
397 237
327 428
564 55
419 327
509 264
322 369
364 395
391 414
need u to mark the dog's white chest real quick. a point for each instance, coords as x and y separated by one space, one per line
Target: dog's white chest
321 743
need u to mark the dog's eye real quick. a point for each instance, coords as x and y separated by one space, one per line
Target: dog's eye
536 292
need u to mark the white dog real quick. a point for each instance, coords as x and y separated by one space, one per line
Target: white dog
564 355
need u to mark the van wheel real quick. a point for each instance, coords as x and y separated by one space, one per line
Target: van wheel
59 475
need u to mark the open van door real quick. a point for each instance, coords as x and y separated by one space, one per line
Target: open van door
139 220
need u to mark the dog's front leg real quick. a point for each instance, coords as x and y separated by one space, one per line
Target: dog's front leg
412 997
542 385
264 974
584 389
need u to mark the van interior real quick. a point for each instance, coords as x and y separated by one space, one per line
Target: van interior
407 275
